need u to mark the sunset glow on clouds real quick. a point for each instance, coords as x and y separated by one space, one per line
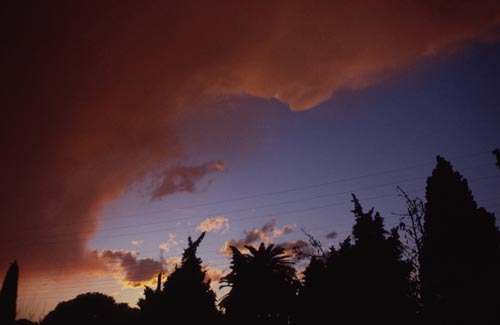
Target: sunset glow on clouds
214 274
267 233
136 271
167 246
137 242
98 96
214 224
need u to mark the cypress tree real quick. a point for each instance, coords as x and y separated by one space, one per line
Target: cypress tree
188 298
8 295
460 253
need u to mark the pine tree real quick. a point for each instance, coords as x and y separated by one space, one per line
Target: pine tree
188 298
364 281
313 309
380 285
460 253
496 152
151 305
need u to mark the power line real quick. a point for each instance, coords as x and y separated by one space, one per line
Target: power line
90 232
271 193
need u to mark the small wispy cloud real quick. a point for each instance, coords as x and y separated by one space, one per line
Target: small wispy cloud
214 224
265 234
137 242
214 274
297 249
170 243
331 235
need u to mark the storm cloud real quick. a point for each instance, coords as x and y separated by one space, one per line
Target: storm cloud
95 94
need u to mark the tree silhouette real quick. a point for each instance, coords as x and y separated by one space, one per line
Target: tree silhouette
24 321
460 253
91 308
313 307
186 297
151 304
411 224
263 286
363 281
380 284
8 295
496 152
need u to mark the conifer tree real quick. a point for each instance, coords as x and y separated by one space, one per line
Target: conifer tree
186 297
151 305
496 152
363 281
460 253
8 295
187 294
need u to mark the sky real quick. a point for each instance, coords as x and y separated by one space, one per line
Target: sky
129 126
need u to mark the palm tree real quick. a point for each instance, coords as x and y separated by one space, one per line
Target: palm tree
263 286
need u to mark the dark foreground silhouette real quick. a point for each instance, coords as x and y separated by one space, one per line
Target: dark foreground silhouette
446 272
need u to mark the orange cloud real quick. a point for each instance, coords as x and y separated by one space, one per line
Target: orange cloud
98 98
170 263
266 234
167 246
214 274
297 249
137 242
214 224
137 272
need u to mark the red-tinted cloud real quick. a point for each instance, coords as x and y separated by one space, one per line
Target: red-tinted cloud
95 94
184 178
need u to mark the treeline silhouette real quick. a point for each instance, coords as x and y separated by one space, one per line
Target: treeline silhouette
446 272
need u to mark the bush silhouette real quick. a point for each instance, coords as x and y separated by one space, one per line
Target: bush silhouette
91 308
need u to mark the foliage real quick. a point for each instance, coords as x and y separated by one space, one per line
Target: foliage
91 308
460 253
364 280
186 296
263 286
412 226
186 289
496 152
446 270
8 295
